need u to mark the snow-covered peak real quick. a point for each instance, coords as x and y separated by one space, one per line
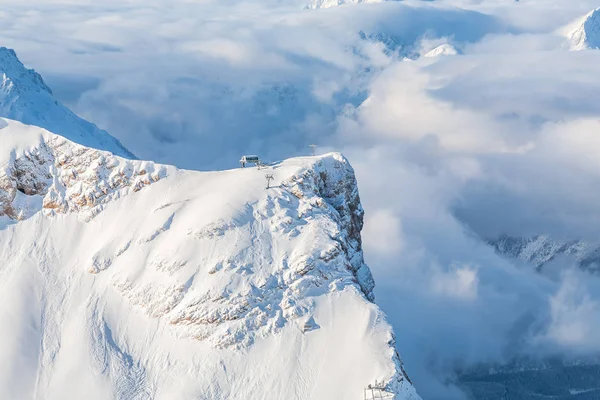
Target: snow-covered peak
20 79
150 282
541 250
25 97
445 49
584 33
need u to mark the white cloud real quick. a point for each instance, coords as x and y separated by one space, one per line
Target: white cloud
382 233
459 282
575 317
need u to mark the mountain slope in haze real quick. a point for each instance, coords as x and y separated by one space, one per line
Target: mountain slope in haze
130 280
25 97
554 379
584 33
539 251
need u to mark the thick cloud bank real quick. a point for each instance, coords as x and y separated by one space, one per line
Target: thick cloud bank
501 138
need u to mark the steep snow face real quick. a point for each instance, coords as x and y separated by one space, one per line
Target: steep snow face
25 97
125 279
584 33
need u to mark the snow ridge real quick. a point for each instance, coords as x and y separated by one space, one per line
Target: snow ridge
58 176
540 250
584 33
25 97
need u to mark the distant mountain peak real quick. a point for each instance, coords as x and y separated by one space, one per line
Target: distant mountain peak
445 49
25 97
21 77
540 250
584 33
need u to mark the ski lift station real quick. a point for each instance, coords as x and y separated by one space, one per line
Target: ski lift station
249 160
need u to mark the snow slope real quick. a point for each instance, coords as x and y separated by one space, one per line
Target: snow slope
584 33
131 280
25 97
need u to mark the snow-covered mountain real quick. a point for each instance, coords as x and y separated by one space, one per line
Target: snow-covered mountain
543 249
445 49
25 97
126 279
584 33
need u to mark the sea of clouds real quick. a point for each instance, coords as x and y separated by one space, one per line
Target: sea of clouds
501 139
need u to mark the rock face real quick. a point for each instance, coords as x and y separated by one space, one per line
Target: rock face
25 97
58 176
584 34
149 282
332 182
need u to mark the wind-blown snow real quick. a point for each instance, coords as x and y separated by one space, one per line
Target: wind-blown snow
178 284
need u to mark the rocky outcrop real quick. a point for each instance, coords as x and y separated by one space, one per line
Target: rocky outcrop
58 176
332 183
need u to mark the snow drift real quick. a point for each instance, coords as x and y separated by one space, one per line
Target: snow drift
130 280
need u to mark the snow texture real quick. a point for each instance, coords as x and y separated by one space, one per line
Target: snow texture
131 280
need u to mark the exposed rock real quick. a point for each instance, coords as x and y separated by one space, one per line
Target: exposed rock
69 177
